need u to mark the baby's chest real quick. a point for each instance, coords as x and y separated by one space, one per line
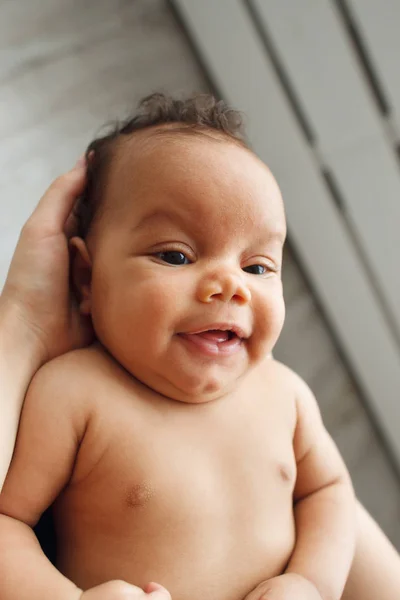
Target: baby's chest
190 472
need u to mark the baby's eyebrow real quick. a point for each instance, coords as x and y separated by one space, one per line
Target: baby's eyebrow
159 215
271 235
278 235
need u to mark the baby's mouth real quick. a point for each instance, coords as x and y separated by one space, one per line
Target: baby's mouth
214 342
217 335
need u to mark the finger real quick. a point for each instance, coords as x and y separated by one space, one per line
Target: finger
71 224
57 203
157 591
153 587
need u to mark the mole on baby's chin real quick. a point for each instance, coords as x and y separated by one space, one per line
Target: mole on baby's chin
139 495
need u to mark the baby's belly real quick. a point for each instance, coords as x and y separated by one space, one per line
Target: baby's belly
212 547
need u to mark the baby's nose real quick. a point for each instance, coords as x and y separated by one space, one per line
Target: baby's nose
226 287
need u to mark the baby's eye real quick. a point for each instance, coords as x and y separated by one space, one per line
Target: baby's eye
173 257
256 269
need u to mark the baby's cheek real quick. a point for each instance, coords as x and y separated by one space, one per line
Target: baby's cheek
101 298
168 300
279 316
115 308
274 318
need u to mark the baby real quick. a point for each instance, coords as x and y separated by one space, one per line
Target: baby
175 449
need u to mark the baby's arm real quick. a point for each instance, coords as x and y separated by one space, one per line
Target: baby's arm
48 437
324 504
324 510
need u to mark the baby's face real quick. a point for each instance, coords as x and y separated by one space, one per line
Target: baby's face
186 264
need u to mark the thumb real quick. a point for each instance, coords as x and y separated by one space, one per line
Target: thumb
157 591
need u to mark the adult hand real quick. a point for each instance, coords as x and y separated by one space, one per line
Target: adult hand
37 292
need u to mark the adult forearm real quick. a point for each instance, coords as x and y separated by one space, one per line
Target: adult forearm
20 357
375 572
25 572
325 524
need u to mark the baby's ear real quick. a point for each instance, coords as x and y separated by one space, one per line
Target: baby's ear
81 274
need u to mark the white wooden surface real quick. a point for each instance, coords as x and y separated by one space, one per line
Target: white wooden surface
227 40
379 25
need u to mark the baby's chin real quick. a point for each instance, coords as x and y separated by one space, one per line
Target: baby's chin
194 393
189 390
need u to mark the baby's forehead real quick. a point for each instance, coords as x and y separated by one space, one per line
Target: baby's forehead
199 172
180 152
171 140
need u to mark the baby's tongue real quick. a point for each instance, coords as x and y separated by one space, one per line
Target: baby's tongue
215 335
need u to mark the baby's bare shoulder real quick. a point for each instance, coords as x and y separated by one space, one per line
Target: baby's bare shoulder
63 369
293 385
65 381
279 387
281 377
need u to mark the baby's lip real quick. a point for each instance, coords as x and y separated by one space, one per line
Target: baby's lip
241 332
